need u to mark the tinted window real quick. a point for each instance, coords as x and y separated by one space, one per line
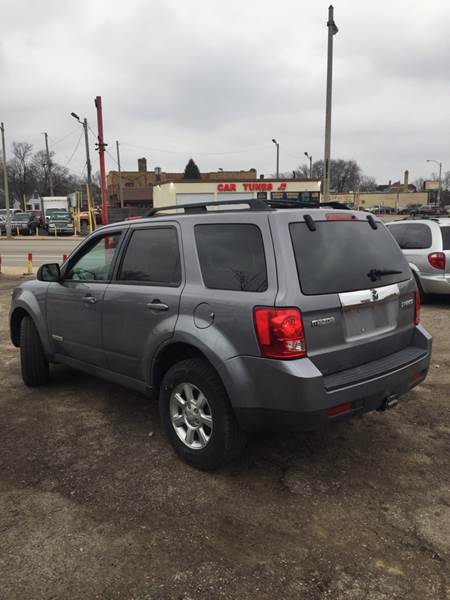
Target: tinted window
411 236
152 256
96 260
338 256
445 238
232 257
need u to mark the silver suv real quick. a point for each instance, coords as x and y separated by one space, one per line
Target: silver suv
236 320
426 246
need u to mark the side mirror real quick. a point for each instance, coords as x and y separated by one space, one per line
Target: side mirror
50 272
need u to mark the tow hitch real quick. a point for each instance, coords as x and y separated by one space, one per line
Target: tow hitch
388 403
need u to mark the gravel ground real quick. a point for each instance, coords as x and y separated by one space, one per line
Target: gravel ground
94 504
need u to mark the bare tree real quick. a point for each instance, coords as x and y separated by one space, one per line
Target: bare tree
367 184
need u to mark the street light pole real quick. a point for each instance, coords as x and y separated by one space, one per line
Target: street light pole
120 175
5 184
440 176
310 164
332 30
278 157
49 165
84 124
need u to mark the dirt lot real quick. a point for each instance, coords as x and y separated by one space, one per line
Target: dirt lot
94 504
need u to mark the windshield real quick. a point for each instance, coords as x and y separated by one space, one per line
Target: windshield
345 256
56 211
21 217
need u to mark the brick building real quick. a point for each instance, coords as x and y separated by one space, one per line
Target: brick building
137 186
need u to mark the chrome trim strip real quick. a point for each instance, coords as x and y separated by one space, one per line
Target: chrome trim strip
371 296
57 338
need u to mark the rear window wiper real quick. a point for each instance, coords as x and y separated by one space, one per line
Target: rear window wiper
375 274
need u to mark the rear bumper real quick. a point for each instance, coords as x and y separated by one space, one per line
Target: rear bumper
294 395
435 284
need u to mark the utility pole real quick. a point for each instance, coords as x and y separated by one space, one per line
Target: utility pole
49 165
101 153
5 184
120 175
332 30
84 123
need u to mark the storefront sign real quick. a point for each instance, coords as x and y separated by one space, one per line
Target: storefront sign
253 187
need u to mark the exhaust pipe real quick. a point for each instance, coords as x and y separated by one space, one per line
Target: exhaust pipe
388 403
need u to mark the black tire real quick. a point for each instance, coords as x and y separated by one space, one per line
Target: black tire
34 364
227 439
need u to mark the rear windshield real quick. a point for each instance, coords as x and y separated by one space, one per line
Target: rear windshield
445 238
339 255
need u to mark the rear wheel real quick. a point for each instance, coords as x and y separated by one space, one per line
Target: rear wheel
197 417
34 364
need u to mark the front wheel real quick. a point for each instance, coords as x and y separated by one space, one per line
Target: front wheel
197 417
34 363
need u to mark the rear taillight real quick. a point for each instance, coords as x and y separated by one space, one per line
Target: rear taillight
416 307
280 332
437 260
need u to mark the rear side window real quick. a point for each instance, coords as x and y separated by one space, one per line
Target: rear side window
153 257
445 238
232 257
339 256
412 236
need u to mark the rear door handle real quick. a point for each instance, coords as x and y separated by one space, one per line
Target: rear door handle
157 306
89 299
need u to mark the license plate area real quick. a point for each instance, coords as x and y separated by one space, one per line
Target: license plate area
367 313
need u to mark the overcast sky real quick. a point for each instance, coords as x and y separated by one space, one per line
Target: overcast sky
217 80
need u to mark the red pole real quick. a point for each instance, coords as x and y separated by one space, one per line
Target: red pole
64 258
101 152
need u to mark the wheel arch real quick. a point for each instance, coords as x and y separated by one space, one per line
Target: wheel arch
172 353
15 322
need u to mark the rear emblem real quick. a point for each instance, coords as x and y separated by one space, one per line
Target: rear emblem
322 322
374 295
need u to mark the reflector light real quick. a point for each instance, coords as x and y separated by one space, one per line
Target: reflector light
280 332
437 260
418 377
339 409
416 307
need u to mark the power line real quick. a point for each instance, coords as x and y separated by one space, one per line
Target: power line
75 149
64 137
239 151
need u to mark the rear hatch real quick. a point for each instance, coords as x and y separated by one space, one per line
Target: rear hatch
357 293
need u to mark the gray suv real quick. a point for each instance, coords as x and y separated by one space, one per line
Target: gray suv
426 246
265 318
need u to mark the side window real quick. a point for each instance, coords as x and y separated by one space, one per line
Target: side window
96 261
153 257
232 257
412 236
445 238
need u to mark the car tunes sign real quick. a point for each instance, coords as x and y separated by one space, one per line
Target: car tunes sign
281 186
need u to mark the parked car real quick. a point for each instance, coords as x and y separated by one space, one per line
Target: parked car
426 246
60 223
236 320
381 209
427 210
409 208
22 223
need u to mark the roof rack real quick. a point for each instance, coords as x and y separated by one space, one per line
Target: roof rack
254 204
201 207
